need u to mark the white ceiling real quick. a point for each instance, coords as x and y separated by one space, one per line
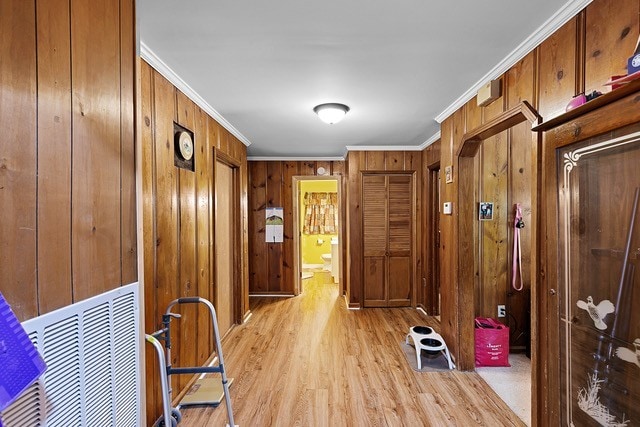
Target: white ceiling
264 65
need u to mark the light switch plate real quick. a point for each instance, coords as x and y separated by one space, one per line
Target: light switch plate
447 208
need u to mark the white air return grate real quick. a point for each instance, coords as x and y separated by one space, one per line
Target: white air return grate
92 351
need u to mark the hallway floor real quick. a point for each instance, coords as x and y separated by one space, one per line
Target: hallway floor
308 361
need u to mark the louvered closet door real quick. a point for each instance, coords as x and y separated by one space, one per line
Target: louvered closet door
374 208
387 220
400 233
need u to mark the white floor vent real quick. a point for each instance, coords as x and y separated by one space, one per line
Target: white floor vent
92 351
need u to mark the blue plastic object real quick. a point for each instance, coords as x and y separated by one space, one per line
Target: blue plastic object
20 361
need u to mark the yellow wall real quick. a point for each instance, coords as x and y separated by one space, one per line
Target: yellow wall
309 246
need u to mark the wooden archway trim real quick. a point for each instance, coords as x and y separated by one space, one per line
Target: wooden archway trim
467 231
510 118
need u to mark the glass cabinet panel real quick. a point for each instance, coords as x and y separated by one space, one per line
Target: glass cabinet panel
599 250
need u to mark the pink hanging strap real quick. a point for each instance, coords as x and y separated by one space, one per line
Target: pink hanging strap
518 223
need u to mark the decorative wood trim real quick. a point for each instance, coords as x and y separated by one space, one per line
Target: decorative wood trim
160 66
562 16
601 101
516 115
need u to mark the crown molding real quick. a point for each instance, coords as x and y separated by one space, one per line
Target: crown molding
293 159
562 16
159 65
428 142
383 148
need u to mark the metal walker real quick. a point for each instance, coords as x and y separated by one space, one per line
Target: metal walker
164 359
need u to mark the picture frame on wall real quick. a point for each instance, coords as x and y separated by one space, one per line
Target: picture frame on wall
448 174
485 211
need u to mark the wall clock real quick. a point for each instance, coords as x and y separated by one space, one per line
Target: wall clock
184 145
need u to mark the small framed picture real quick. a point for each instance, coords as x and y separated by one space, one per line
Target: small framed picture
485 213
448 174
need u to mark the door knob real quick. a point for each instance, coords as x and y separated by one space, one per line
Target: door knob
552 291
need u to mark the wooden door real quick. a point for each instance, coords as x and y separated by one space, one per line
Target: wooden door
225 241
433 287
374 208
388 236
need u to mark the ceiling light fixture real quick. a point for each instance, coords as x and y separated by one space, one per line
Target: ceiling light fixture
331 113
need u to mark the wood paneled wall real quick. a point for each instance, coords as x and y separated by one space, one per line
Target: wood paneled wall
358 162
67 166
580 56
271 267
178 225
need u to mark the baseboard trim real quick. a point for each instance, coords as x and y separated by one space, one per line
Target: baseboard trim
353 305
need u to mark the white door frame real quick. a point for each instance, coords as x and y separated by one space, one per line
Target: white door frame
297 259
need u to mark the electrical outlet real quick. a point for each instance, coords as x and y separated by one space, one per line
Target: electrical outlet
502 311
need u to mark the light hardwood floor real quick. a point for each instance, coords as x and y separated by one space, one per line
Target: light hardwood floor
308 361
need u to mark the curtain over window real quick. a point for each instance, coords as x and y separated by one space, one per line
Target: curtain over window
320 213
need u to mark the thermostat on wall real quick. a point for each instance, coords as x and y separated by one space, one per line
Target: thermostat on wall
447 208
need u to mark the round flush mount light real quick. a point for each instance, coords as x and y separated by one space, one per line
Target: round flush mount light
331 113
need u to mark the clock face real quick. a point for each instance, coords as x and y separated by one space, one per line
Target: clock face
185 145
636 61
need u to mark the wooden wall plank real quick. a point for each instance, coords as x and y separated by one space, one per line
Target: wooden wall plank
223 140
151 313
54 155
556 70
338 168
520 81
356 163
244 211
308 168
473 114
187 242
611 36
448 281
214 134
129 240
289 170
96 227
394 160
493 234
18 160
203 163
374 160
274 199
166 199
258 269
521 188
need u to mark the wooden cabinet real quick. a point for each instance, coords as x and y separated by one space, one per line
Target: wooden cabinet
388 235
590 337
599 239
